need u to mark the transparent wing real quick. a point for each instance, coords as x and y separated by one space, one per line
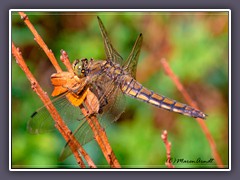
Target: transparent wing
130 64
83 134
42 122
115 107
111 53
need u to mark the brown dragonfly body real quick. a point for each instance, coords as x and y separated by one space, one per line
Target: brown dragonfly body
103 83
123 80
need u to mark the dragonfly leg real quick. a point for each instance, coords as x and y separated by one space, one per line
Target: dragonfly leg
73 90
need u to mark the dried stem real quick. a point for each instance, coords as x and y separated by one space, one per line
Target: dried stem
189 100
164 137
64 58
101 138
60 125
41 43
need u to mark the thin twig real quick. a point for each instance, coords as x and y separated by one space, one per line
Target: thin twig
41 43
101 138
60 125
164 137
64 58
189 100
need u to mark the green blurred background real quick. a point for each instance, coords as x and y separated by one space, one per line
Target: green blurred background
194 43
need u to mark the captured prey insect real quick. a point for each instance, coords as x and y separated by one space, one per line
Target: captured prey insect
103 83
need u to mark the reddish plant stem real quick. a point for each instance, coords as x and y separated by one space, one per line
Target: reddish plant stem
101 138
189 100
164 137
60 125
41 43
64 58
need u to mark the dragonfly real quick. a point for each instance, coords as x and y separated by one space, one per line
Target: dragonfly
104 84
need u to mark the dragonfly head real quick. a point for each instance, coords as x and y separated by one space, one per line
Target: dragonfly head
79 67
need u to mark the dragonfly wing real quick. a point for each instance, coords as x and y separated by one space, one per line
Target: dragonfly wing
41 121
130 64
83 134
113 110
111 53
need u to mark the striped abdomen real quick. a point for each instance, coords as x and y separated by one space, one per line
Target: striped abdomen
132 88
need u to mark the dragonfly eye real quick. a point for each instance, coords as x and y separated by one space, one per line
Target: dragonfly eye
77 68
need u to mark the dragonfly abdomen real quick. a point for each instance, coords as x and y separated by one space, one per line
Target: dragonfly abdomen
132 88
